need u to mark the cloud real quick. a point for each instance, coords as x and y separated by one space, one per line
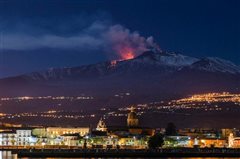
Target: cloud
26 42
99 35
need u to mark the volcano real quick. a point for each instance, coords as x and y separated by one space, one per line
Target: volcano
151 76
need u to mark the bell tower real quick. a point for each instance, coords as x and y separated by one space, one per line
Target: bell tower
132 120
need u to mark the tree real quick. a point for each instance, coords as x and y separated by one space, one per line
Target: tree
218 134
155 141
171 130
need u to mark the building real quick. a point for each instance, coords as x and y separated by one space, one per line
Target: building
99 139
233 142
23 136
132 135
101 126
71 139
132 141
212 142
59 131
200 132
53 132
132 120
16 137
8 138
127 142
227 132
59 135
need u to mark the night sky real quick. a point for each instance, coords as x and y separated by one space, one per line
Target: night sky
36 35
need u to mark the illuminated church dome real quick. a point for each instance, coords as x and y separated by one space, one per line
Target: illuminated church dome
132 120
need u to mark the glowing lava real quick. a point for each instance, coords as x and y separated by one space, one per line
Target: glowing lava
126 53
113 63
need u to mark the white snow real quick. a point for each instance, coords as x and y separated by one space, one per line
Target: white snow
214 64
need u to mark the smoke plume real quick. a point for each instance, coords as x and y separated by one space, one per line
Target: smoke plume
116 41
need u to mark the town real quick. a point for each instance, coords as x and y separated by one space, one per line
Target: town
130 136
194 111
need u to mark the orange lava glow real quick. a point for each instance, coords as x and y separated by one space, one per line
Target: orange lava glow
127 54
113 63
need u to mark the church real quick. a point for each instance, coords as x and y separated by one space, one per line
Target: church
132 126
132 120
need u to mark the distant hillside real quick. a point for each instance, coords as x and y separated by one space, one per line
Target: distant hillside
149 77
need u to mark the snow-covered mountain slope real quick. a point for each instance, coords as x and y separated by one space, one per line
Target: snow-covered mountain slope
165 58
155 62
215 64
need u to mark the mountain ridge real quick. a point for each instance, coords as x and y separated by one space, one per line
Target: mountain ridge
172 61
149 76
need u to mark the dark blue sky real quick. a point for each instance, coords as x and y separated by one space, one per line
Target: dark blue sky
54 33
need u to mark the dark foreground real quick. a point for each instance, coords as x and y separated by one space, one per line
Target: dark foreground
113 153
